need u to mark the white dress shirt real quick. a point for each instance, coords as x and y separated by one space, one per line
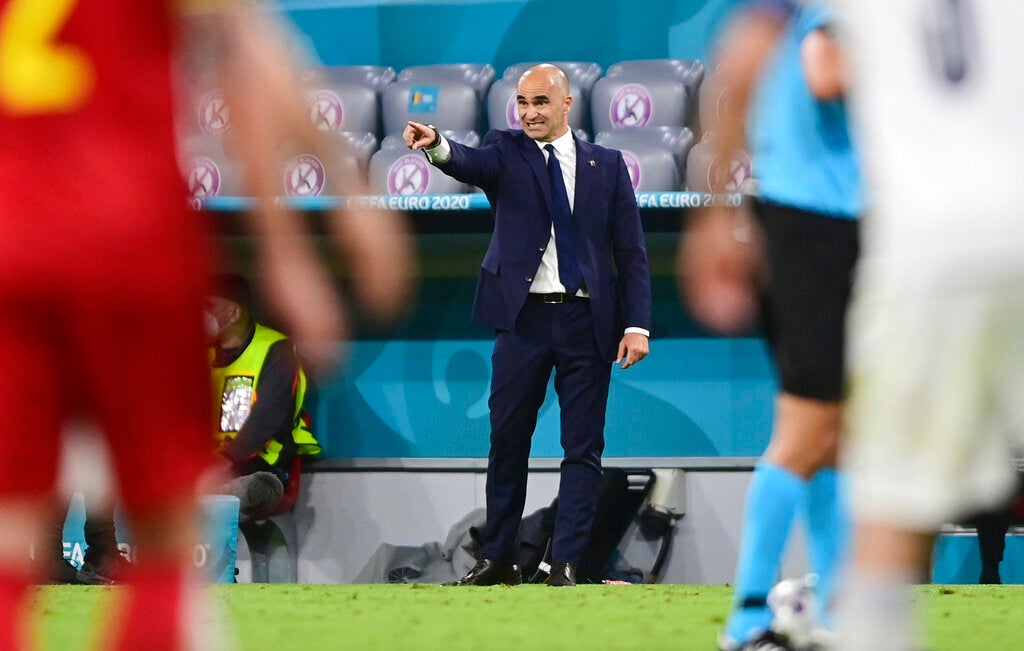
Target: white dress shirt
545 281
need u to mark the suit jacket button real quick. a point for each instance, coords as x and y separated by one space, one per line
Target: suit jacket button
541 249
529 279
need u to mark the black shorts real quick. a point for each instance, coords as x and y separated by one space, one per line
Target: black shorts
811 260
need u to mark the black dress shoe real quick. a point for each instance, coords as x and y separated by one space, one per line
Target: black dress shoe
562 575
488 572
990 574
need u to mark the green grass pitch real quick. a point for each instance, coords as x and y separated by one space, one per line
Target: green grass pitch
283 617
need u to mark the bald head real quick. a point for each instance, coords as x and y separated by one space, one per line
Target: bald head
547 73
544 102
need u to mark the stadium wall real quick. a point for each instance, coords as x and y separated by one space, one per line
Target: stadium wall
343 517
402 33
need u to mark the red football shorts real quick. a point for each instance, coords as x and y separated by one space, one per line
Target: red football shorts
100 317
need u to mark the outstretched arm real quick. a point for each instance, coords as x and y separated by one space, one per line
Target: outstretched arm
824 65
719 257
269 126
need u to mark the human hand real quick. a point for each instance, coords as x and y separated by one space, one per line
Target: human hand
382 260
632 348
301 293
718 268
418 136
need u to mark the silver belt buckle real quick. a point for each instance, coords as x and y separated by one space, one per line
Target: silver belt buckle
560 299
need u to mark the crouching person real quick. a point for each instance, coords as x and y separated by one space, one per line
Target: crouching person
259 388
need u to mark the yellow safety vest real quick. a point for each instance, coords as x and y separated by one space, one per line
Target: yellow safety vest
235 388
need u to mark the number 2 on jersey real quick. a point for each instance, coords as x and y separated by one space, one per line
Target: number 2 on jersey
38 74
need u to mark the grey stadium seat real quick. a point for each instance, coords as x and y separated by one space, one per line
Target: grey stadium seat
202 119
375 77
451 95
712 94
355 150
704 171
341 99
208 170
307 175
359 147
689 71
478 75
396 169
652 92
655 156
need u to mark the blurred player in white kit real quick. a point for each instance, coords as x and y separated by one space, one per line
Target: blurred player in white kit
936 343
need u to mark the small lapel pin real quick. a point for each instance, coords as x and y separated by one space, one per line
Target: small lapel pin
593 164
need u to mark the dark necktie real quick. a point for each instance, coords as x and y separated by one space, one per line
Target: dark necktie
561 218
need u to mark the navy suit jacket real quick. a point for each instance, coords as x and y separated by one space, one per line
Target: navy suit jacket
609 239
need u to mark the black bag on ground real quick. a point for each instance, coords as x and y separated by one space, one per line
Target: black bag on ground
621 494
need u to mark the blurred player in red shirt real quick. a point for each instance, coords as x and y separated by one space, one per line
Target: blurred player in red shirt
103 274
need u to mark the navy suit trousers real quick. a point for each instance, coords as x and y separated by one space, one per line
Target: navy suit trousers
559 337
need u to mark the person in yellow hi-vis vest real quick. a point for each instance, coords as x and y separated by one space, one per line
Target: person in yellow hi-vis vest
259 388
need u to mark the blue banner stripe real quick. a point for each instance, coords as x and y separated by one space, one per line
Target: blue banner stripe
474 201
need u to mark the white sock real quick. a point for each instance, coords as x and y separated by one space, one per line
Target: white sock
877 612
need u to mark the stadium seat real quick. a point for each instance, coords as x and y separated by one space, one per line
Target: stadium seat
204 110
655 156
342 99
653 92
273 541
709 102
478 75
688 71
705 171
208 170
452 95
375 77
359 147
395 169
202 119
306 175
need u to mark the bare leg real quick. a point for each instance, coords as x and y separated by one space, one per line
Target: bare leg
24 522
804 439
806 434
159 588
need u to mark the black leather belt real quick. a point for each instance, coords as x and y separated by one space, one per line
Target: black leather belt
556 297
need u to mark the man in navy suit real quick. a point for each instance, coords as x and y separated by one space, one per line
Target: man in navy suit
566 285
